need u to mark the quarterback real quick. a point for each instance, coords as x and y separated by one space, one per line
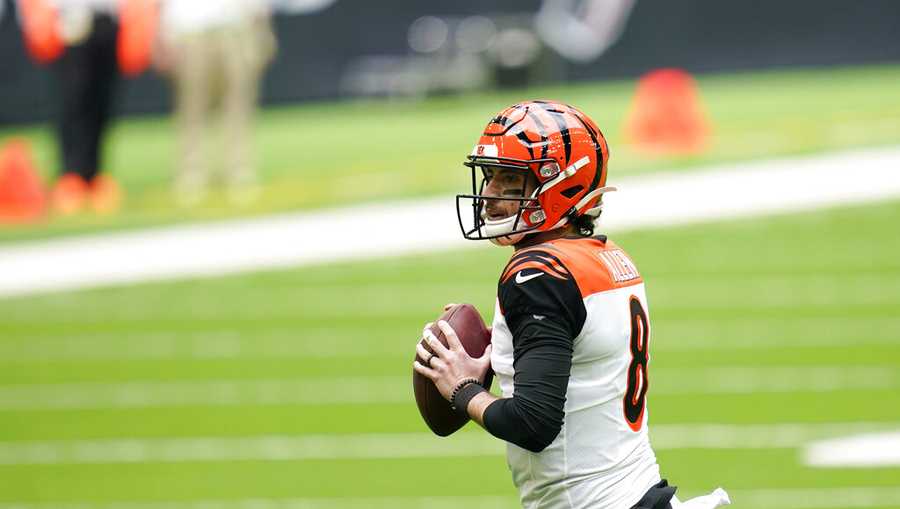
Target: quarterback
571 331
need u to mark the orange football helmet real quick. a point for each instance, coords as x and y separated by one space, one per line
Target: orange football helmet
558 144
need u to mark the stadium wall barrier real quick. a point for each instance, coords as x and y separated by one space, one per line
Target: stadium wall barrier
698 35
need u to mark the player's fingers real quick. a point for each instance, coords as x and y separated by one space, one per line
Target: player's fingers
423 353
438 364
425 371
436 346
450 334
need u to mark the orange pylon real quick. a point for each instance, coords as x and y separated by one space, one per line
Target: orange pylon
41 29
138 25
667 117
22 195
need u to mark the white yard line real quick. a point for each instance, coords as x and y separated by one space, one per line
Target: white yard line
811 498
863 451
475 502
394 445
284 342
818 498
397 389
363 232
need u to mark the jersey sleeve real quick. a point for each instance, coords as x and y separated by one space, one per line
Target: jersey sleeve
542 306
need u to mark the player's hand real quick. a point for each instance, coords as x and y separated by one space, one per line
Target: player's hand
449 366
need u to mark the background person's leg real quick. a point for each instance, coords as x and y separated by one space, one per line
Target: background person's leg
192 96
73 81
105 195
244 59
101 87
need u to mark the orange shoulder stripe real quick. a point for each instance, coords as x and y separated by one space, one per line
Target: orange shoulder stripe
535 259
595 265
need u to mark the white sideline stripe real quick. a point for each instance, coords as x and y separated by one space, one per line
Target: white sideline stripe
863 451
397 445
726 191
817 498
398 389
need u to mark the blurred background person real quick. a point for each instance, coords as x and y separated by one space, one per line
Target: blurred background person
216 53
80 38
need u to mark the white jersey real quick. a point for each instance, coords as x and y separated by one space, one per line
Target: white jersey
601 457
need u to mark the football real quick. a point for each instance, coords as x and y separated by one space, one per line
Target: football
475 337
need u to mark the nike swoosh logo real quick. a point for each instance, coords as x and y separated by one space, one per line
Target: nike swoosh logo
524 279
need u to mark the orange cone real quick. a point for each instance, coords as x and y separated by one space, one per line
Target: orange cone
22 195
667 117
138 24
40 26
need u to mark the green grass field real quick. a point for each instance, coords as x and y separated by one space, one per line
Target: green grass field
328 154
290 388
761 322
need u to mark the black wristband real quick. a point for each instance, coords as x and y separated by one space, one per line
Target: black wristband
463 394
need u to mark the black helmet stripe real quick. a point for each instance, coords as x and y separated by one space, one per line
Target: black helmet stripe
505 131
542 130
560 119
597 147
501 121
525 141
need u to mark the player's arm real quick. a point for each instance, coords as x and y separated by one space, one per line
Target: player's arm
544 314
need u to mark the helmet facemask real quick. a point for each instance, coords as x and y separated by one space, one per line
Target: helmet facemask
508 230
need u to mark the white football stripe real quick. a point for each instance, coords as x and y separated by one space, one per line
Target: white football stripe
788 184
818 498
680 335
269 342
212 344
304 391
477 502
864 451
398 389
399 445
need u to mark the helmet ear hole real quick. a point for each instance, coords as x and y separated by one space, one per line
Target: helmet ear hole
572 191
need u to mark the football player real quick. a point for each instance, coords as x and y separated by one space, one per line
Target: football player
571 329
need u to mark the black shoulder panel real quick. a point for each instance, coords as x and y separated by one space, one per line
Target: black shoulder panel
535 283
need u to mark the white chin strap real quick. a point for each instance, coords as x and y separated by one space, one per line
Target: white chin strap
501 230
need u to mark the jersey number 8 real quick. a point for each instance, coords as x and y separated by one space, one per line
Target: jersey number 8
635 399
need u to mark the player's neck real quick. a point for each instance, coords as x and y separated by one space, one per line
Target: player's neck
540 238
